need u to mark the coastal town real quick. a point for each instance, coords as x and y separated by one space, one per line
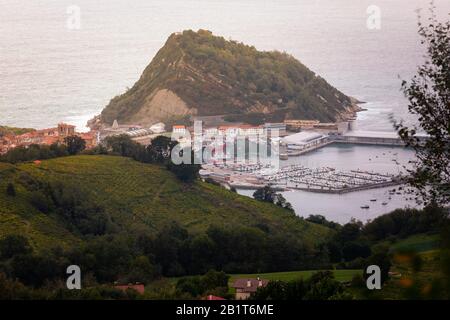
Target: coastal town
315 133
290 138
46 137
138 133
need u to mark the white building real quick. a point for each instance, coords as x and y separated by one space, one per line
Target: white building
158 128
179 129
303 140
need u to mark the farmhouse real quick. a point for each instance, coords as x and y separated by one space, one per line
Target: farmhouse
245 287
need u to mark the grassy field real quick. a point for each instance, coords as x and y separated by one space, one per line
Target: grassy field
138 197
340 275
417 243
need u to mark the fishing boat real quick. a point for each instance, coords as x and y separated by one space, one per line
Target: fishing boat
384 203
365 207
373 200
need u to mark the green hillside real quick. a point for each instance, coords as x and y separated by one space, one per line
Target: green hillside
4 130
197 73
138 197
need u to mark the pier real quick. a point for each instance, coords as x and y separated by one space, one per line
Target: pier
307 141
369 138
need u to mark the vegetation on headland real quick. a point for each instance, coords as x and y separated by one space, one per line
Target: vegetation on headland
199 73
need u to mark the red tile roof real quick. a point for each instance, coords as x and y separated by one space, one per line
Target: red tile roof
211 297
140 288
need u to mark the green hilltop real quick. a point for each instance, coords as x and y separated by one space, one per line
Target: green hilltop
137 198
197 73
5 130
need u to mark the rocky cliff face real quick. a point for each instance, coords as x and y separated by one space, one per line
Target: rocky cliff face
196 73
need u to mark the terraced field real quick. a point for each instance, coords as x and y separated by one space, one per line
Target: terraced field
137 196
18 216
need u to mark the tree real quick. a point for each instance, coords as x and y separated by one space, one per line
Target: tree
319 219
356 249
141 270
349 232
281 202
186 172
212 281
381 259
34 152
35 270
13 245
160 149
429 99
41 201
192 285
75 144
13 289
121 145
321 286
266 194
77 211
10 190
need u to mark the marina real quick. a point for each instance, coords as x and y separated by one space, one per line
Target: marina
288 174
341 207
298 177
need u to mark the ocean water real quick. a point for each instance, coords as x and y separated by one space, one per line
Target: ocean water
51 73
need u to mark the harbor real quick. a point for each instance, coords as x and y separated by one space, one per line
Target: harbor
341 207
289 174
297 177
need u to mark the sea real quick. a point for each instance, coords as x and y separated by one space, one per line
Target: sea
63 60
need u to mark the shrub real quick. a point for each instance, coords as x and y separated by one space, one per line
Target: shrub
13 245
40 201
10 190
